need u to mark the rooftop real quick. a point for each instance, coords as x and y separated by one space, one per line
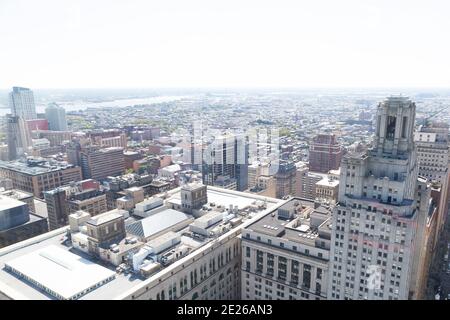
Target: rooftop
156 223
298 227
35 166
105 217
7 203
192 186
326 182
17 288
60 272
17 194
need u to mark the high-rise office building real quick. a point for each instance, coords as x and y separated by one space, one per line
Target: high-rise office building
83 196
432 151
432 141
56 117
18 136
285 178
226 157
57 208
306 182
98 163
21 102
325 153
379 221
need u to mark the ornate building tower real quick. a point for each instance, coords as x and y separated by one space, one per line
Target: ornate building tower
379 222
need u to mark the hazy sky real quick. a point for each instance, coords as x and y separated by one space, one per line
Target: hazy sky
189 43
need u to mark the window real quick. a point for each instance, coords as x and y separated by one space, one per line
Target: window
319 273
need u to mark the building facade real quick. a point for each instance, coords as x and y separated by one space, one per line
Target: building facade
56 117
17 223
306 182
379 222
285 179
285 254
98 164
226 156
38 175
21 102
432 143
325 153
57 208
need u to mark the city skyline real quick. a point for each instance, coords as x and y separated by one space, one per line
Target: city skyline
241 151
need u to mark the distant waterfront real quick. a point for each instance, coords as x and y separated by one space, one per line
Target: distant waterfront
119 103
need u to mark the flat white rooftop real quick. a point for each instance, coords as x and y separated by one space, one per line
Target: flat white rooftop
7 203
328 183
59 272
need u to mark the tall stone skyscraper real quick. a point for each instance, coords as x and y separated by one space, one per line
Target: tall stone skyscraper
379 221
21 102
56 117
432 142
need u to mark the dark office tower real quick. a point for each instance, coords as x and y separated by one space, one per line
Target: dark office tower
21 102
57 207
286 179
226 158
11 125
378 229
98 164
325 153
73 151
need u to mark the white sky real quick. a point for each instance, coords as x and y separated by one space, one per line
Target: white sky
231 43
